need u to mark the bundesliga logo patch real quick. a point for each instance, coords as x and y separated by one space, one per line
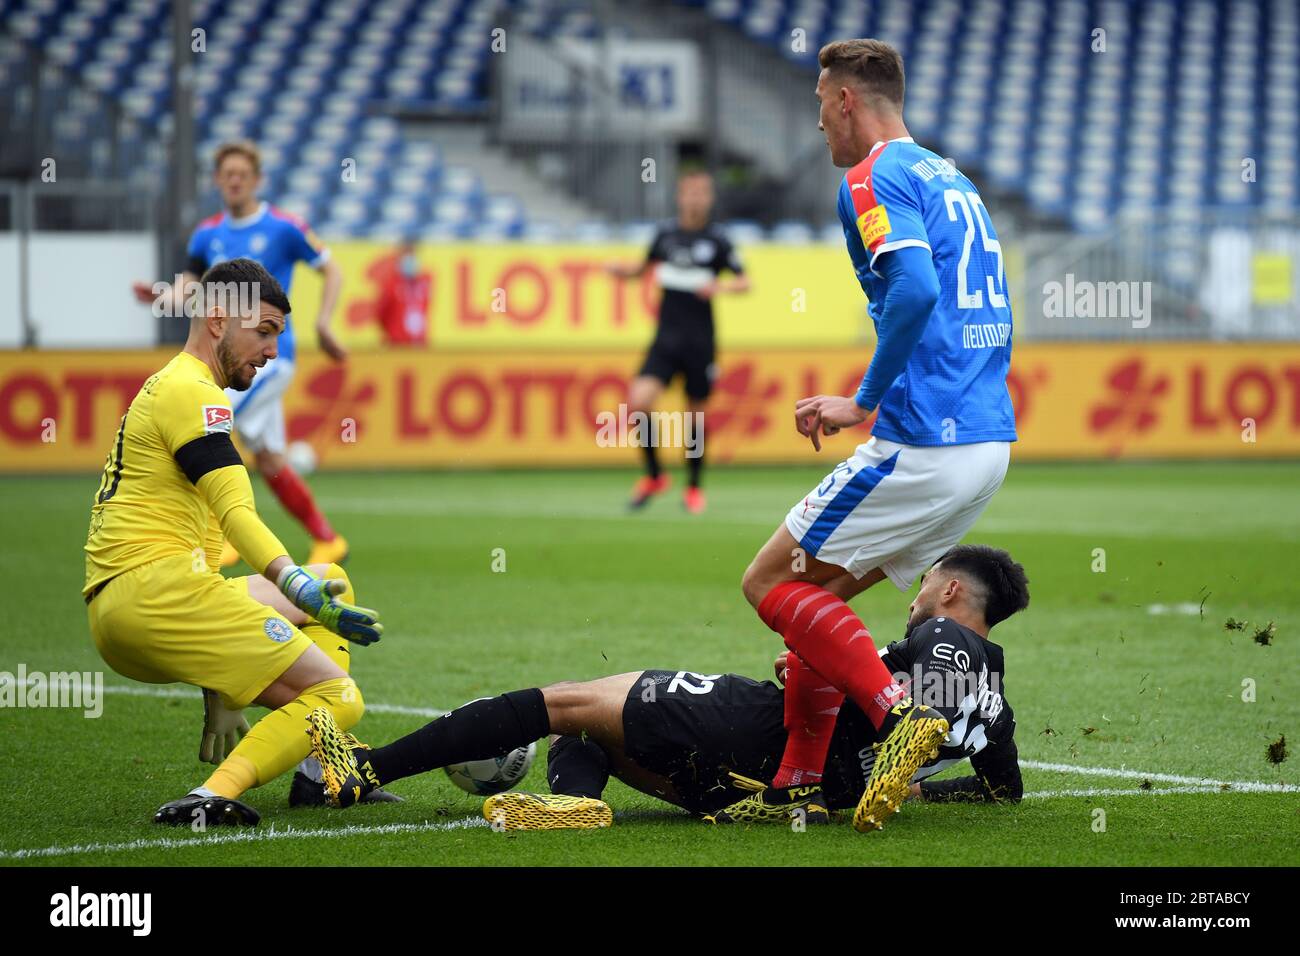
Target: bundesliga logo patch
277 630
217 418
874 225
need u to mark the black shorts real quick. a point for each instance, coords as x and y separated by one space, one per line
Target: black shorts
687 351
694 728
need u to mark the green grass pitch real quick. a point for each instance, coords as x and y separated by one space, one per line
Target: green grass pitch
1127 676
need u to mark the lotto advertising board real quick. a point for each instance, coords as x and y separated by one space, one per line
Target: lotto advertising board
459 409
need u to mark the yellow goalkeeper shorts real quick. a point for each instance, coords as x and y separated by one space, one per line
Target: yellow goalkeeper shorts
164 622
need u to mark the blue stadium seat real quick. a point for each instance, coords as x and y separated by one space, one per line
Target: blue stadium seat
1185 92
744 231
791 233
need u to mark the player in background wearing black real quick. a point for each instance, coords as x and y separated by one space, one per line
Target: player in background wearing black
701 740
687 256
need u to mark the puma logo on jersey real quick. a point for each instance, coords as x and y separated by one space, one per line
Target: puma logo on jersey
217 418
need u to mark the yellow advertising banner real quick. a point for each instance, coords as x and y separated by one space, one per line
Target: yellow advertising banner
417 408
1271 278
532 296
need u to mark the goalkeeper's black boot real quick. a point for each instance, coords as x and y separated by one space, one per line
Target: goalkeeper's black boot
773 804
345 766
200 812
306 792
910 736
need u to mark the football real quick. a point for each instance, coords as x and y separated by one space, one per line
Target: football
302 457
486 777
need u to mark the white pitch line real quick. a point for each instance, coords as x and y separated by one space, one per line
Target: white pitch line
567 510
1185 784
147 691
467 823
245 836
1246 786
1240 786
1112 792
402 507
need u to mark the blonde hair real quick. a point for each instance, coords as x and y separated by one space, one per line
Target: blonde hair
241 147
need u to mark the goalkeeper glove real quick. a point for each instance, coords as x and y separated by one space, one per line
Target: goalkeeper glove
317 597
222 729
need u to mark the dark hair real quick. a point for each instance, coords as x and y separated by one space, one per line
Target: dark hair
874 64
1000 581
242 275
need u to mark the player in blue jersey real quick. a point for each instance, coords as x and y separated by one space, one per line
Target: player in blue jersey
256 230
926 254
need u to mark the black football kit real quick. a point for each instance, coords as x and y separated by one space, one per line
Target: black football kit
695 728
684 343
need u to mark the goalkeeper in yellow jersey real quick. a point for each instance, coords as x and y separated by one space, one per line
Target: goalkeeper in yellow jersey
159 610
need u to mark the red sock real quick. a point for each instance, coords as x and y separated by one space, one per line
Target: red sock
811 706
297 500
825 632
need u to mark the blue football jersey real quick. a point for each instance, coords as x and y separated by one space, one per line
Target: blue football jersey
274 238
953 389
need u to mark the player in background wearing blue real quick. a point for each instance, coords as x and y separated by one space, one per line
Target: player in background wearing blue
927 257
256 230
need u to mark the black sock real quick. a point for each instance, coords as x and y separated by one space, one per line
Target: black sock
576 767
478 731
693 466
651 459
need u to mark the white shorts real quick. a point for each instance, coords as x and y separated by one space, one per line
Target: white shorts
897 507
259 414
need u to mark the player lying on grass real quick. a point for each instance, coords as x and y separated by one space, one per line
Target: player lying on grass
158 608
698 741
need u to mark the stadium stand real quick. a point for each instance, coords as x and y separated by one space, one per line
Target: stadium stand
1161 117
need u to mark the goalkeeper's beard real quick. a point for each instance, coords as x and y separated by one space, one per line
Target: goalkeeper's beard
238 375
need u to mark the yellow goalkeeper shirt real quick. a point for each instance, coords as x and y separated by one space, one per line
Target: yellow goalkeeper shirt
173 481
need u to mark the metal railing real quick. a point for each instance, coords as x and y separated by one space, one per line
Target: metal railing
1191 274
35 207
55 127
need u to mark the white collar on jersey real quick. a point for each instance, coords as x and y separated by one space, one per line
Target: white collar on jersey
248 220
899 139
